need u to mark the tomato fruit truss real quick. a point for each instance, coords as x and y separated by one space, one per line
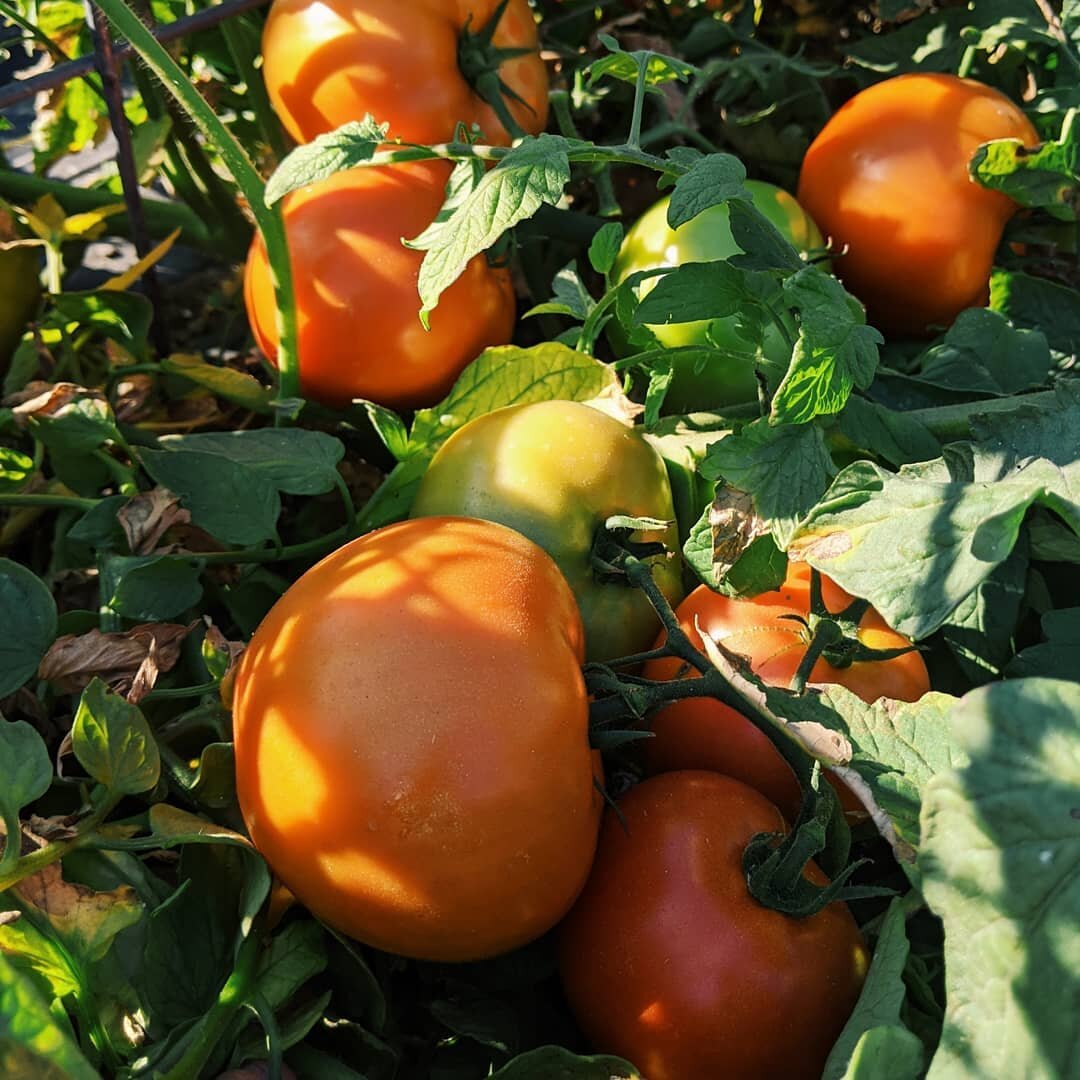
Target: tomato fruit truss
703 733
668 961
412 750
411 63
357 305
887 180
651 243
556 471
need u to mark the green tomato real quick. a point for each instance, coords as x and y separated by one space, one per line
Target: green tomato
20 291
555 471
652 243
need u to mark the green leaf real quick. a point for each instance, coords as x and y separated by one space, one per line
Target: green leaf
1039 304
230 501
75 421
33 1045
926 44
711 180
786 469
695 291
153 588
532 175
26 771
295 461
881 999
898 438
982 353
15 469
836 350
556 1063
295 955
350 145
1056 656
99 526
28 616
123 317
886 1053
389 427
764 246
113 742
226 382
489 1021
1001 867
604 247
626 66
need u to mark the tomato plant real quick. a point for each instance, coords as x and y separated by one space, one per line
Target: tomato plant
360 334
419 66
555 471
389 793
669 961
651 243
887 180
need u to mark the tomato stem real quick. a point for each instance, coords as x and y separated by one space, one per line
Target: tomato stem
634 141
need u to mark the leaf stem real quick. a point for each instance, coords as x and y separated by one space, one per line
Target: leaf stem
634 141
63 502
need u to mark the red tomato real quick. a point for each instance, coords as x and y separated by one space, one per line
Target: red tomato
356 298
888 179
703 733
412 750
668 961
327 62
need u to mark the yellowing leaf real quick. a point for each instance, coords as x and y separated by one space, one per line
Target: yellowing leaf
91 223
129 277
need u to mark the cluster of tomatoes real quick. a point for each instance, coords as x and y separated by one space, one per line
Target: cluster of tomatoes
411 719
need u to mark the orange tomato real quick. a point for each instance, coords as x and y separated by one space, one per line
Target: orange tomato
669 961
356 299
703 733
412 752
327 62
888 180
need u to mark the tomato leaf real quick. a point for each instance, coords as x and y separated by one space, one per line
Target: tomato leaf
533 174
15 469
32 1041
26 772
113 742
556 1063
122 317
924 44
894 436
694 291
626 66
836 350
710 180
1001 867
786 469
226 382
1039 304
28 615
764 246
879 1004
153 588
887 1052
1056 656
604 247
350 145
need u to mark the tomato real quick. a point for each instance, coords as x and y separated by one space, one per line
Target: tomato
327 62
703 733
20 291
412 750
668 961
555 471
356 298
651 243
888 180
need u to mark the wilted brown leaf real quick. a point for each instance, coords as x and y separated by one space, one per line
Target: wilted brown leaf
132 398
146 517
49 399
734 525
128 662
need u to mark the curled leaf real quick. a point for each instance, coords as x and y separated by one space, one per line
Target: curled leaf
148 516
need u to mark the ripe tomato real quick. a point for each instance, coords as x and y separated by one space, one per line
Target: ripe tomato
888 179
555 471
668 961
652 243
327 62
356 299
20 291
412 751
703 733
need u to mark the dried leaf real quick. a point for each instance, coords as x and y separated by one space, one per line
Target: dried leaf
734 526
146 517
48 399
616 404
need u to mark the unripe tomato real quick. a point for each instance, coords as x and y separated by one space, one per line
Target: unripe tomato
668 961
20 290
356 299
555 471
327 62
703 733
888 180
412 749
651 243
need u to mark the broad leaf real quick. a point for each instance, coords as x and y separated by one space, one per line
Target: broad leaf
711 180
28 618
113 742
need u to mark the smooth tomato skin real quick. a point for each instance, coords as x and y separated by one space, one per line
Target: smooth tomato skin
888 178
702 733
412 752
356 299
555 471
669 962
652 243
327 62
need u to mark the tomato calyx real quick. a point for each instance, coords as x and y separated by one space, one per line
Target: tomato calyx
613 542
774 863
479 60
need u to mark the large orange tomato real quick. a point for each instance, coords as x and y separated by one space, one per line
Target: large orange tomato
888 180
327 62
670 962
356 298
703 733
412 749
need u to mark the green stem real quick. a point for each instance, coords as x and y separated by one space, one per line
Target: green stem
124 477
12 840
178 693
967 61
261 1008
605 188
639 105
63 502
826 634
269 220
946 422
